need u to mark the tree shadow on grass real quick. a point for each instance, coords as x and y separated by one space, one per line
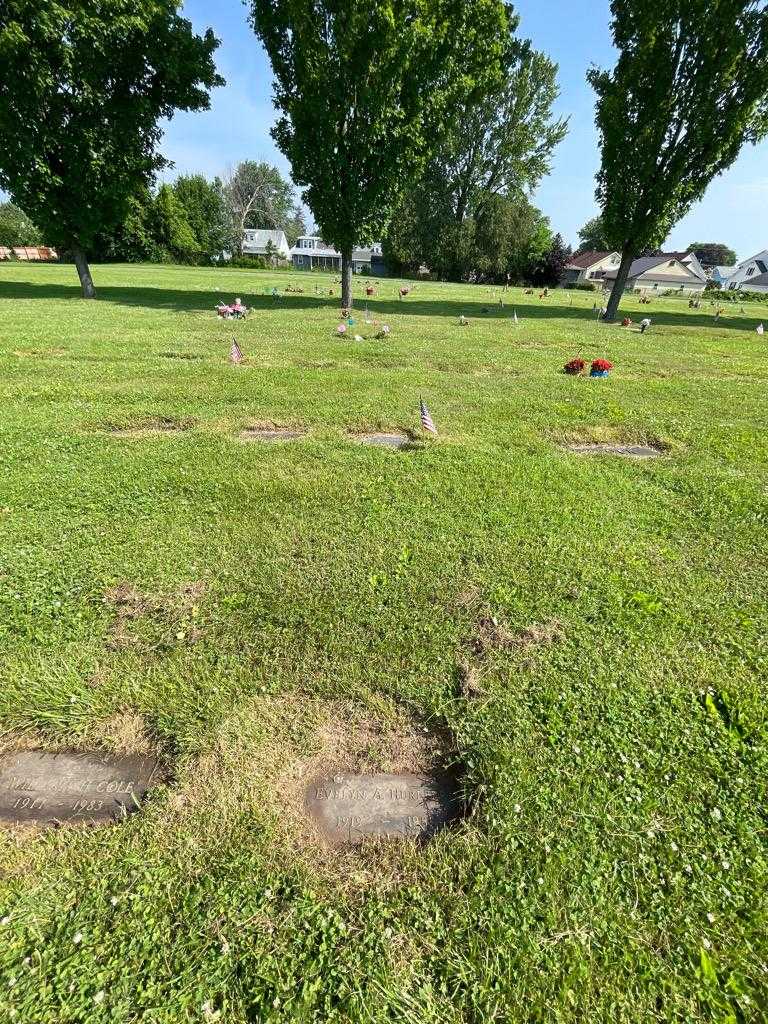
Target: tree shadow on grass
182 300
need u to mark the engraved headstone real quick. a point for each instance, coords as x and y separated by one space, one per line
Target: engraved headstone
38 787
258 434
386 440
349 807
631 451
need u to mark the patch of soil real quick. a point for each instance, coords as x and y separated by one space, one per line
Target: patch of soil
490 634
470 685
149 426
267 753
151 622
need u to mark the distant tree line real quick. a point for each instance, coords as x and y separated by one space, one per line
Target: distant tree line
195 220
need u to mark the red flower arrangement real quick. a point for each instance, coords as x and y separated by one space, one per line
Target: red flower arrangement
575 367
600 365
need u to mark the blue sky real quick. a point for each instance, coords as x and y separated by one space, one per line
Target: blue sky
734 209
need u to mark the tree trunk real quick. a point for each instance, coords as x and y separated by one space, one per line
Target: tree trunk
346 279
627 259
83 272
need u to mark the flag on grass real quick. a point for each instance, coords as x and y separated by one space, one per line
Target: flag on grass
235 353
761 329
426 420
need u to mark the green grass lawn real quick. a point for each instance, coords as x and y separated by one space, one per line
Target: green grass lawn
255 612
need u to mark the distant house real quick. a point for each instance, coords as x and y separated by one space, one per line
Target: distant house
589 267
311 253
721 275
757 284
256 242
745 274
671 271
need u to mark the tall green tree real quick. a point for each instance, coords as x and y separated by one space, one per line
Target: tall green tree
171 231
503 144
365 91
205 211
713 254
592 237
295 226
85 84
16 228
688 90
256 196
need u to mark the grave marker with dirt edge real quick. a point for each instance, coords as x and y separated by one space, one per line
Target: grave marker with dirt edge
71 788
347 808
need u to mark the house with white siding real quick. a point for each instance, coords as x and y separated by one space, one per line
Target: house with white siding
590 267
266 243
679 272
744 275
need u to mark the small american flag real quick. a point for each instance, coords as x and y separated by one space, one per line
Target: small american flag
235 353
761 329
426 420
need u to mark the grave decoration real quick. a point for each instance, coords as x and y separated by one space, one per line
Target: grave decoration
463 322
575 367
600 368
71 788
349 808
235 311
383 332
341 329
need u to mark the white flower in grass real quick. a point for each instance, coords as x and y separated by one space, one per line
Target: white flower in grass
11 982
99 997
114 901
78 938
675 847
517 808
711 917
5 920
726 865
706 944
716 813
224 948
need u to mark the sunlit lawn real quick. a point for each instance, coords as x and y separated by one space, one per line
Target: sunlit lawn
253 610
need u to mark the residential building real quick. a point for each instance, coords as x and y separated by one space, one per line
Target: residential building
757 284
668 272
721 275
744 274
312 253
256 242
589 267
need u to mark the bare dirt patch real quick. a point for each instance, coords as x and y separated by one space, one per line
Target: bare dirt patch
491 634
152 622
266 754
153 425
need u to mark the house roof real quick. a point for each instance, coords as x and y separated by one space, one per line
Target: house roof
723 271
259 237
585 260
761 280
646 264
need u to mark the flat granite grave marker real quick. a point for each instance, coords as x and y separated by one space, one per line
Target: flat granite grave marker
42 788
385 440
631 451
349 807
270 434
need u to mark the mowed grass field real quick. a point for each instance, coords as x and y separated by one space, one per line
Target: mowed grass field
583 638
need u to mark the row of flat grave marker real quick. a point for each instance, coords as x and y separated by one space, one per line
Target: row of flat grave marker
630 451
377 439
55 789
43 788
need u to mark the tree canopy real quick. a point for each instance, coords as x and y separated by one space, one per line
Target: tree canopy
688 90
16 228
592 237
84 88
364 93
713 254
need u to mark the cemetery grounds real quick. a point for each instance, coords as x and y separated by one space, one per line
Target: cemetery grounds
581 637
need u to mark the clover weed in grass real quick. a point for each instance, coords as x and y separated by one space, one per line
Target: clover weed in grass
613 754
